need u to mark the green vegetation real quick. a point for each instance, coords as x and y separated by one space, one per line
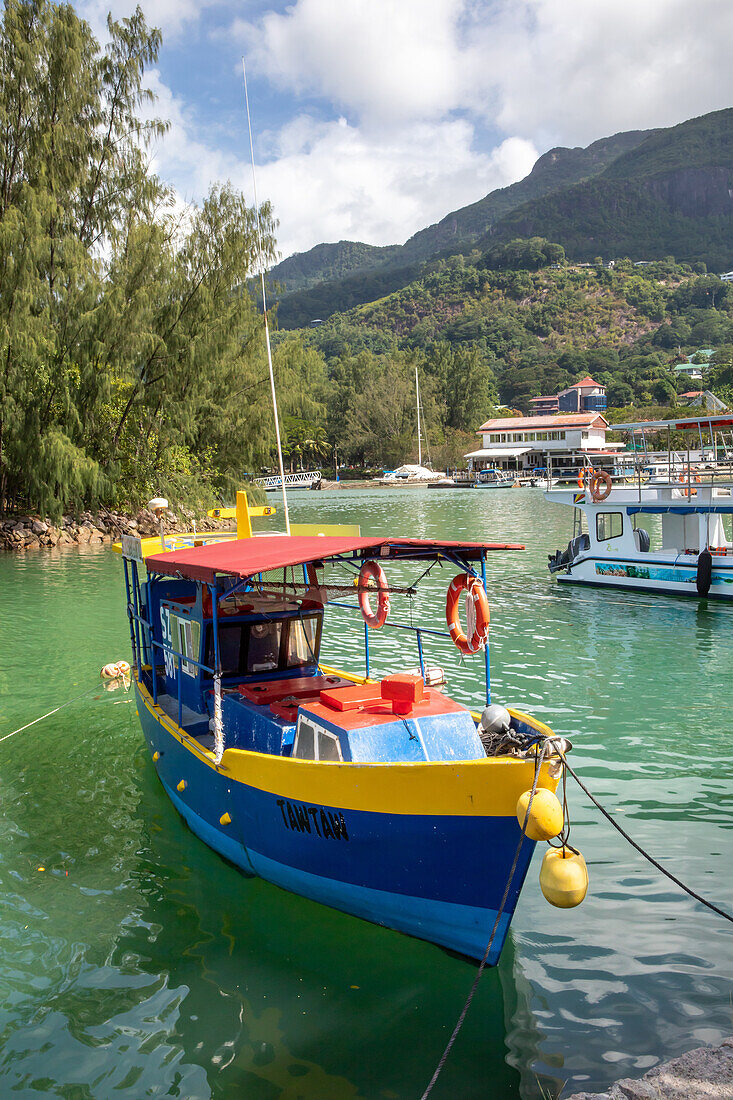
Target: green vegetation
129 355
335 277
480 335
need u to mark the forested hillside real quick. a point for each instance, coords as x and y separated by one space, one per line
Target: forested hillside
645 194
333 277
671 195
506 326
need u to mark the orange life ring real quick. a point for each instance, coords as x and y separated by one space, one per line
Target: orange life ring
478 608
372 571
597 493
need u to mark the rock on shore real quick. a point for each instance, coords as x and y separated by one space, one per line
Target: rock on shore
705 1073
87 529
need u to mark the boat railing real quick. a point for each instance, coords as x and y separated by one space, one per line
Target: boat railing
418 631
681 473
140 651
144 644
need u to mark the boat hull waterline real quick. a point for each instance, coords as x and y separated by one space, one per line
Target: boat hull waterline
356 837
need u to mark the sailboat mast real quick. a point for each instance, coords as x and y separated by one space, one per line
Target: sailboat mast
419 437
264 312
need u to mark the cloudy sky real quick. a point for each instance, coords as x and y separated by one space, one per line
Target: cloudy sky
374 118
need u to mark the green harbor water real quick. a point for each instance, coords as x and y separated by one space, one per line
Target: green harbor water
135 962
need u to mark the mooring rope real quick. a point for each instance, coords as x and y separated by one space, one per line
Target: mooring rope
641 851
50 712
624 834
482 964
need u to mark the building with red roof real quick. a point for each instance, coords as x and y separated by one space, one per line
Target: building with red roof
584 396
526 443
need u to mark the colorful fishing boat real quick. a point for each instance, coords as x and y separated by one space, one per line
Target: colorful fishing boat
383 798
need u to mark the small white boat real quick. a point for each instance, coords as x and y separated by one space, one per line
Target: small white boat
408 475
494 479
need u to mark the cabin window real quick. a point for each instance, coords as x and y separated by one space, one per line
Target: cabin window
264 646
328 747
302 642
305 742
312 742
609 525
268 645
189 637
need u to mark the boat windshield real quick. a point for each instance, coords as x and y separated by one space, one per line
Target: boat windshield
270 645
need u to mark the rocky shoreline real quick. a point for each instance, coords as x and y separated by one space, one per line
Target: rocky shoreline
705 1073
95 529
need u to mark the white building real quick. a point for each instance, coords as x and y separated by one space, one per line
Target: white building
527 442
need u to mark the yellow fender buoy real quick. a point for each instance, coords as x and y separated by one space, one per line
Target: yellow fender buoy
545 816
564 877
225 819
181 785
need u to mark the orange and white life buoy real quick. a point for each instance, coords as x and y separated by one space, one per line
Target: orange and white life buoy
600 485
371 571
477 613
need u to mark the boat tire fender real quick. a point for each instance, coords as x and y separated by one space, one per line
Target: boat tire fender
372 571
704 572
600 485
478 611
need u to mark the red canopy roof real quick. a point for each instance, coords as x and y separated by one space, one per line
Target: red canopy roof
247 557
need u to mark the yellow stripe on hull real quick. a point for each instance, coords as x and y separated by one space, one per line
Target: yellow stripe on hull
487 788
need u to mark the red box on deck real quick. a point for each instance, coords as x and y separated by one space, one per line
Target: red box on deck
403 687
403 691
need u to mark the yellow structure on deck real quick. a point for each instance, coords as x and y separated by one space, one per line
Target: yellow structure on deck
140 548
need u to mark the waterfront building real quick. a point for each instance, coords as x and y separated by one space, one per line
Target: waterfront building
526 443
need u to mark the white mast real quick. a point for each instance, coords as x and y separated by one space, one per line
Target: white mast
264 310
419 437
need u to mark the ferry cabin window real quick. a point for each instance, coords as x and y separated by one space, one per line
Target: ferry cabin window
264 646
328 747
609 525
189 634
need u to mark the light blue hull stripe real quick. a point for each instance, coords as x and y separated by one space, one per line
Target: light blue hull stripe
462 928
225 845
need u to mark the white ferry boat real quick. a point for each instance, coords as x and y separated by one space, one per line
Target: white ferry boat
612 545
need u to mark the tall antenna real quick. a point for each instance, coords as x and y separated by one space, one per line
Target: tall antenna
264 307
419 436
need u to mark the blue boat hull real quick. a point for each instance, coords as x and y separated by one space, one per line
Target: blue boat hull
438 877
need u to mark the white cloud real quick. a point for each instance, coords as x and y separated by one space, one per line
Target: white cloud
170 16
415 80
388 60
333 181
547 70
576 70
